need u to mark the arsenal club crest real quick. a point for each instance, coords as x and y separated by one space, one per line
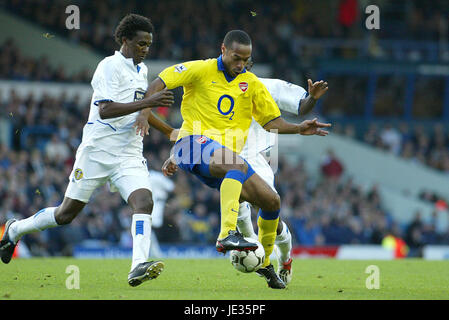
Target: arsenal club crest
243 86
201 140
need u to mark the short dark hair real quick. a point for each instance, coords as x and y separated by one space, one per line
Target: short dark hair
129 26
238 36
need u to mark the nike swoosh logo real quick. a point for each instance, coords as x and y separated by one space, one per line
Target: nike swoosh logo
234 210
213 82
233 243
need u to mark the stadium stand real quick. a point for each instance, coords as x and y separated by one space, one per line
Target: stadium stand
389 93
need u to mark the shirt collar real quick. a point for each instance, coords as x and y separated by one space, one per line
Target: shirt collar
129 61
221 67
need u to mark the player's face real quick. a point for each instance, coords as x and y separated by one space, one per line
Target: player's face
235 57
139 46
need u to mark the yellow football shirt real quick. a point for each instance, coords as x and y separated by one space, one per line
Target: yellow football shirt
218 106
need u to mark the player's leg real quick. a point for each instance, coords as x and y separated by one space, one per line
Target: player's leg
226 164
257 192
141 203
244 222
136 191
221 168
283 245
283 241
43 219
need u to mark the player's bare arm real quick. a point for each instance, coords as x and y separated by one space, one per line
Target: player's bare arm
111 109
316 90
147 118
306 128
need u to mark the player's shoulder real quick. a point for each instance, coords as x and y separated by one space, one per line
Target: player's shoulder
252 79
110 62
195 64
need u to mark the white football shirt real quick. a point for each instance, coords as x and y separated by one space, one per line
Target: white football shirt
116 79
288 97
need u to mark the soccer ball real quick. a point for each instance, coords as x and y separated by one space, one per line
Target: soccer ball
248 261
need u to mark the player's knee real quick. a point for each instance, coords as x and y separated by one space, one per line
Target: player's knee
243 167
144 205
280 227
64 217
141 201
273 203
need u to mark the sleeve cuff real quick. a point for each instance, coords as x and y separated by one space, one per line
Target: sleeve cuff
102 100
299 104
162 81
270 121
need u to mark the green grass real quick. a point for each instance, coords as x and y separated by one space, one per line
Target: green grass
216 279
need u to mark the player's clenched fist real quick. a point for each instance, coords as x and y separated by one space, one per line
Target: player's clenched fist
163 98
169 167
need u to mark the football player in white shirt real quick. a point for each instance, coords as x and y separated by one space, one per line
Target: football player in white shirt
110 151
289 97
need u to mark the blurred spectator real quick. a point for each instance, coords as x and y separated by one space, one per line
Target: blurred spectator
391 138
348 12
331 166
56 150
413 235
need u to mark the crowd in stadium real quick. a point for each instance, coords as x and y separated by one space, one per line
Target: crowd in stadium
35 170
333 210
194 31
424 145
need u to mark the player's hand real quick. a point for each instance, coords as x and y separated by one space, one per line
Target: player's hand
169 167
174 135
141 125
163 98
317 89
313 127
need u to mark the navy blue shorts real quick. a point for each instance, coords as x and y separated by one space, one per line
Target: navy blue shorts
192 154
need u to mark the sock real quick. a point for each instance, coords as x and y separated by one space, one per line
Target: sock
41 220
230 190
244 222
283 243
155 249
141 233
267 223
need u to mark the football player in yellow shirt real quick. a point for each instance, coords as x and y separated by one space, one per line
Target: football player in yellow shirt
220 100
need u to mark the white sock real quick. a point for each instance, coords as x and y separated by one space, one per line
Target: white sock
41 220
244 222
141 233
155 249
283 243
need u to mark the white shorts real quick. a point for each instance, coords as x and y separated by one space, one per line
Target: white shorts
94 168
263 169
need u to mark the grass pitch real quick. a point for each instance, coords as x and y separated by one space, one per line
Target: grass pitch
216 279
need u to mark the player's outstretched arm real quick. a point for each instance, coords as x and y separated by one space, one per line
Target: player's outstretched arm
110 109
307 127
316 90
147 118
